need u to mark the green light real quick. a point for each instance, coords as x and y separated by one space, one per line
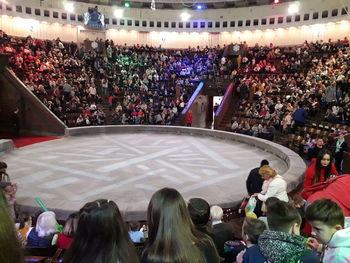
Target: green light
127 4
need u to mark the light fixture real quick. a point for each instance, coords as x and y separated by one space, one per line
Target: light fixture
127 4
293 8
199 7
276 1
153 5
119 13
185 16
69 7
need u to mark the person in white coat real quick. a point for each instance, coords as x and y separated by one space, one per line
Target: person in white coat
331 239
274 185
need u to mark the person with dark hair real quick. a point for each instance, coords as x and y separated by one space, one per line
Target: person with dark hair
10 251
254 184
101 236
4 177
282 242
320 170
299 116
254 181
251 230
172 236
24 225
327 221
65 239
200 213
313 152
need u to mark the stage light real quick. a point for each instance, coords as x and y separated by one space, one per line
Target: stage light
69 7
185 16
127 4
293 8
119 13
276 1
199 7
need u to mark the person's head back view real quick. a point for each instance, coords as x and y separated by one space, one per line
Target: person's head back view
172 235
10 251
101 236
46 224
199 211
283 217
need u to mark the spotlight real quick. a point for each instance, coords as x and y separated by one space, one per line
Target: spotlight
118 13
127 4
69 7
199 7
276 1
185 16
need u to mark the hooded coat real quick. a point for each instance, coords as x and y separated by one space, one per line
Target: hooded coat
338 249
280 247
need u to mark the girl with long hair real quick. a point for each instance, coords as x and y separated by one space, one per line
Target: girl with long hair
10 251
172 235
101 236
320 170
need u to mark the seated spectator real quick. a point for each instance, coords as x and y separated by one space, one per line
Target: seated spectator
221 232
313 151
320 170
277 186
65 239
327 221
135 234
24 225
172 235
251 230
4 177
101 236
10 251
199 210
282 243
10 193
42 234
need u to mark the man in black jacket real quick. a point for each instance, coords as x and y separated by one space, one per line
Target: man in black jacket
254 183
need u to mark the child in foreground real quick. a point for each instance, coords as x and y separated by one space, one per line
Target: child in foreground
327 221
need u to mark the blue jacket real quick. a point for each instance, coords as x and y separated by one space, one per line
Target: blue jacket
35 241
300 115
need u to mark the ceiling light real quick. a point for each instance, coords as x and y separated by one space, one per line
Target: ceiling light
69 7
119 13
185 16
293 8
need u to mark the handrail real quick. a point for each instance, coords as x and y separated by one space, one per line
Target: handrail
193 97
227 95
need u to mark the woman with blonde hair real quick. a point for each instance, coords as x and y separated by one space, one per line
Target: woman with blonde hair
274 185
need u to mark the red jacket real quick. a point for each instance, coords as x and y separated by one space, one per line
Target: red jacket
189 118
311 172
336 189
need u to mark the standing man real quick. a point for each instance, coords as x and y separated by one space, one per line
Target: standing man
254 184
16 123
340 147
